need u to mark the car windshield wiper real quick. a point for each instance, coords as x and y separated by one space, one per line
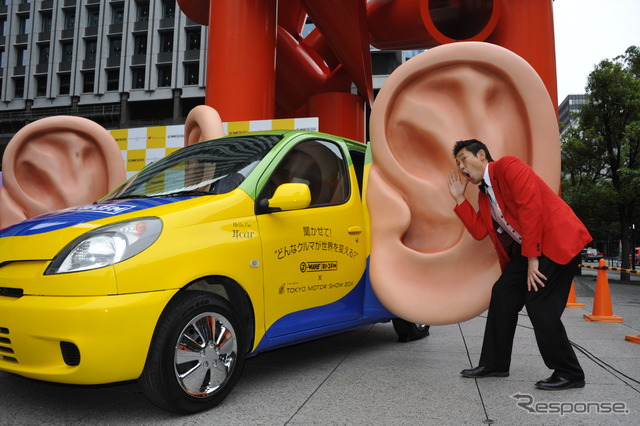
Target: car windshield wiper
185 193
129 196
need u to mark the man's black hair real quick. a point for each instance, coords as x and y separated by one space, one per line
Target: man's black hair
473 146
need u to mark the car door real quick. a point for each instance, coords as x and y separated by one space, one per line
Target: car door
314 257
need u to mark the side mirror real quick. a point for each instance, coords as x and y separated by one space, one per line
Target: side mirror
288 196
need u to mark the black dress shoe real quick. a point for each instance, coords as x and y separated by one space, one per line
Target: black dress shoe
481 371
559 383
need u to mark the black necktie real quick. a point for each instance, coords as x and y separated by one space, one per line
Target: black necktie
483 186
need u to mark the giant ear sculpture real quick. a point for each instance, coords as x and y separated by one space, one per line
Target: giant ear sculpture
57 162
425 267
202 124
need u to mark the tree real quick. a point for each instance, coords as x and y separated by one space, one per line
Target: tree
601 154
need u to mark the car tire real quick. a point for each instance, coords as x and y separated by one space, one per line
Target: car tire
408 331
196 354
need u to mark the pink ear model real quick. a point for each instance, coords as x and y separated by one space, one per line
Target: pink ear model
57 162
425 267
202 124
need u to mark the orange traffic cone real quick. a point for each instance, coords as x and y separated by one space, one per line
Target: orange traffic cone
634 338
571 301
602 310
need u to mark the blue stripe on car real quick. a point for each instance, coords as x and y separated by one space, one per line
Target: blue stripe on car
82 214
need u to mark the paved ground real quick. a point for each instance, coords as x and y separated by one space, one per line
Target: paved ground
365 377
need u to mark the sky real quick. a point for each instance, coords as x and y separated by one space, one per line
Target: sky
588 31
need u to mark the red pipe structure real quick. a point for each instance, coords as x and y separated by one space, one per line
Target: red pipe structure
261 67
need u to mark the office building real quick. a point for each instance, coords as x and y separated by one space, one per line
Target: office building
568 108
119 63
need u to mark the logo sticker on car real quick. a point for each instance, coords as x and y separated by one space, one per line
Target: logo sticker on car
318 266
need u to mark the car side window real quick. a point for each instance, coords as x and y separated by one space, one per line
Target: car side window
318 164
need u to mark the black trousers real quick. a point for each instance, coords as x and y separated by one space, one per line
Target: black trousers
545 307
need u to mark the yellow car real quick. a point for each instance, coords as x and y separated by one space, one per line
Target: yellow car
222 250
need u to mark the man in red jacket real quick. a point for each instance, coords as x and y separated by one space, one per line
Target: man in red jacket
538 240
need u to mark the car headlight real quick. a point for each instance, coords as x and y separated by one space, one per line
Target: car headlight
106 246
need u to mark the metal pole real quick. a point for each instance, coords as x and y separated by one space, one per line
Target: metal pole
633 246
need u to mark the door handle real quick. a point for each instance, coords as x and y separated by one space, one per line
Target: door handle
354 229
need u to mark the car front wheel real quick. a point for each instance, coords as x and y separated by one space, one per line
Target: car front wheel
196 354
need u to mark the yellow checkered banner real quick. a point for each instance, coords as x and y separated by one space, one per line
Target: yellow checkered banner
144 145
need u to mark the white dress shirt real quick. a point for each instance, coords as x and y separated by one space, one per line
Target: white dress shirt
496 212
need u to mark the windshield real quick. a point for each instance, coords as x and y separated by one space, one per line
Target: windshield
212 167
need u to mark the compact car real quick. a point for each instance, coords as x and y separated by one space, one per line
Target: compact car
591 255
220 251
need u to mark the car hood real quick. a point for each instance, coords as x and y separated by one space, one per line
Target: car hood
42 237
83 214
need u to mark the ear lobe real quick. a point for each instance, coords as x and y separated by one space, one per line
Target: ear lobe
202 124
427 268
58 162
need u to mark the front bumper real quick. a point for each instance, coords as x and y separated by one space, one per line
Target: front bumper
110 334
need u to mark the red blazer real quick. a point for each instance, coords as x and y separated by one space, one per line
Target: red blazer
546 223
